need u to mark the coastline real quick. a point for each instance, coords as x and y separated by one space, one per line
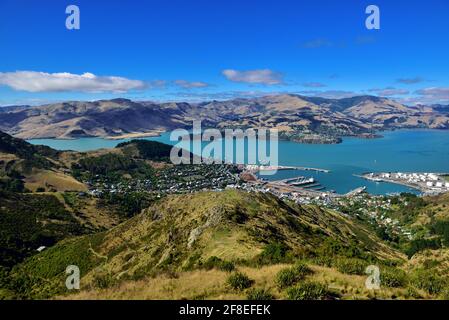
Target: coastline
427 183
365 177
134 135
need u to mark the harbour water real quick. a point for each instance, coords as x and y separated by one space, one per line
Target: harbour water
402 150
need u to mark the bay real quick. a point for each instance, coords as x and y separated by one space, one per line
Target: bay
402 150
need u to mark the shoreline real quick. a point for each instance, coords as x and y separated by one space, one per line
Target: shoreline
418 185
365 177
134 135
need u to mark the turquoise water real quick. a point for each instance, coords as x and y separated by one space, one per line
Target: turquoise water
403 150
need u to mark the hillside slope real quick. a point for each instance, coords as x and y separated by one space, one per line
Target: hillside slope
294 115
181 233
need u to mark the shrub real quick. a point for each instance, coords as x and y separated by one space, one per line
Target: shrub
308 291
430 263
323 261
217 263
429 281
275 252
331 248
259 294
289 276
227 266
413 293
393 278
103 281
286 278
421 245
445 294
302 268
351 266
239 281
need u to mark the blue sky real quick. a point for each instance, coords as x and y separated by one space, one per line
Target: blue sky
199 50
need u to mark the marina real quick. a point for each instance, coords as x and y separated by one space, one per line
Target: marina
337 167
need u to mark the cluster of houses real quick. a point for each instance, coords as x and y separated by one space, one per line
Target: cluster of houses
176 179
376 209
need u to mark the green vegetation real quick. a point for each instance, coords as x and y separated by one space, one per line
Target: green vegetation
183 238
351 266
127 204
290 276
308 291
30 221
275 252
35 156
441 228
239 281
217 263
429 281
259 294
393 277
111 166
11 184
148 150
418 245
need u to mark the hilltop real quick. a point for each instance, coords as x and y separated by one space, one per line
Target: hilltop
147 229
181 233
300 118
44 199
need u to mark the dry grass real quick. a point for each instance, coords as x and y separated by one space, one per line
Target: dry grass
201 284
52 179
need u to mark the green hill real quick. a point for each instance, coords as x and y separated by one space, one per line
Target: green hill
190 232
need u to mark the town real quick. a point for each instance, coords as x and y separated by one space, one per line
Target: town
428 183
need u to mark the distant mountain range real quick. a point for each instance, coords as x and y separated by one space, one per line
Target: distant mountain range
300 118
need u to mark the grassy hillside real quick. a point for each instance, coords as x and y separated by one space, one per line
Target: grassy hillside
182 235
31 221
26 167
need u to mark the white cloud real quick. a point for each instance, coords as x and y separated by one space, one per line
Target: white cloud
264 76
389 91
314 85
33 81
434 94
330 94
410 80
190 84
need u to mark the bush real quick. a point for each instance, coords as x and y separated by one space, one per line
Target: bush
289 276
302 268
323 261
351 266
445 294
393 278
413 293
103 281
259 294
429 281
421 245
239 281
333 248
273 253
308 291
286 278
227 266
216 263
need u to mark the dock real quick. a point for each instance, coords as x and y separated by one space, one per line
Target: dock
355 192
273 168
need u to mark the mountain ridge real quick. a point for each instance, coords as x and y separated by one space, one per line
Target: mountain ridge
295 116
